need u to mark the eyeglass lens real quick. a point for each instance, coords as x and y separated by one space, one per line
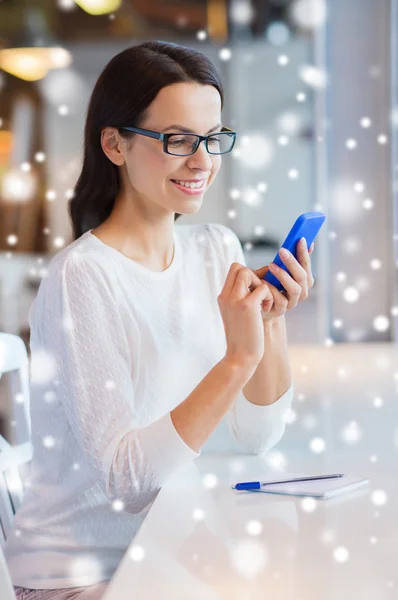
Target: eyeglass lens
186 144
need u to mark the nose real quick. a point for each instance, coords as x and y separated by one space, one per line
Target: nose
201 158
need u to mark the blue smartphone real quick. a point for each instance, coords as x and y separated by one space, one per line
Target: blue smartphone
306 225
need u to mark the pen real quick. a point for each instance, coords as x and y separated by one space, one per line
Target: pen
256 485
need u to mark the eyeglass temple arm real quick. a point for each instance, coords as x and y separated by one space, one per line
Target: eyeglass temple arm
148 132
160 136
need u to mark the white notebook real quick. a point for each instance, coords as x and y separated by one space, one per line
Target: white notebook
321 488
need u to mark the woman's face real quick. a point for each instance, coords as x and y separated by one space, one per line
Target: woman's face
148 171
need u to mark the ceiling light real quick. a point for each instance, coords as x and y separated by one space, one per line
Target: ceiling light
33 53
98 7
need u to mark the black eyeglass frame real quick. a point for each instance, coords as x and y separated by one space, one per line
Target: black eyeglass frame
164 137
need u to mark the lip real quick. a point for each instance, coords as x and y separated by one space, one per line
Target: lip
189 191
193 180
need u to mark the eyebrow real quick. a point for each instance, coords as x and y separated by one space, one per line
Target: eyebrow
187 130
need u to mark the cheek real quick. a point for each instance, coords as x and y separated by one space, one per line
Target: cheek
162 167
148 170
216 166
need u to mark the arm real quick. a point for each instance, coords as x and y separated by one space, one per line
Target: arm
82 332
272 377
256 418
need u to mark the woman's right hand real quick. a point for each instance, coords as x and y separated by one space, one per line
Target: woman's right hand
242 299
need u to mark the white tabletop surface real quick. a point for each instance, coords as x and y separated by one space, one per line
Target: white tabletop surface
201 540
202 543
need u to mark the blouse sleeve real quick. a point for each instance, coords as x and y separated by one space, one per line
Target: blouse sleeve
255 428
83 332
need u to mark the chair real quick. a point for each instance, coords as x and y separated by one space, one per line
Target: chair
14 464
14 359
7 589
12 459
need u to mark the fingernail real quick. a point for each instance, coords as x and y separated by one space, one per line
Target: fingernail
285 253
302 241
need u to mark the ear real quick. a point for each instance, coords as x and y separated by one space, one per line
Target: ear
111 145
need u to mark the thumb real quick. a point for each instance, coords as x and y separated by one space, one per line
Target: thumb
261 272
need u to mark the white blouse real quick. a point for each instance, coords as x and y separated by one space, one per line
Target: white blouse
114 348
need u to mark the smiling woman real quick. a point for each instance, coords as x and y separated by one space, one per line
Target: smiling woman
153 144
150 150
123 172
127 323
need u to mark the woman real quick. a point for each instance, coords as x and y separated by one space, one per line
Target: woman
143 334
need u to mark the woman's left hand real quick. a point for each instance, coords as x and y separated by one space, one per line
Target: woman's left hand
296 285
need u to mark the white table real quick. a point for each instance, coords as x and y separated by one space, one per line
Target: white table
204 543
348 396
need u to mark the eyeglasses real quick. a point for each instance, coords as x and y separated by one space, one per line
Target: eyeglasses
185 144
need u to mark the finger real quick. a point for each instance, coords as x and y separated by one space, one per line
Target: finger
297 272
261 273
262 296
246 281
305 261
280 300
256 277
231 278
293 288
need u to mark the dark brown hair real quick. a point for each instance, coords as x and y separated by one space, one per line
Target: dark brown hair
122 96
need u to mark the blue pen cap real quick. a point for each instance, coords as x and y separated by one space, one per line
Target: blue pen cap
250 485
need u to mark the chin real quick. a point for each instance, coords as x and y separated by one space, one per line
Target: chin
189 209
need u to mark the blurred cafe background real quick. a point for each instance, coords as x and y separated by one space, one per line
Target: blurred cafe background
311 89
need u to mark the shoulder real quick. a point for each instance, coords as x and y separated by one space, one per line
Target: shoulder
225 238
75 278
218 238
79 265
214 232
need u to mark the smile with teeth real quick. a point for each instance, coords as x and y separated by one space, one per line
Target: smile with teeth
193 185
